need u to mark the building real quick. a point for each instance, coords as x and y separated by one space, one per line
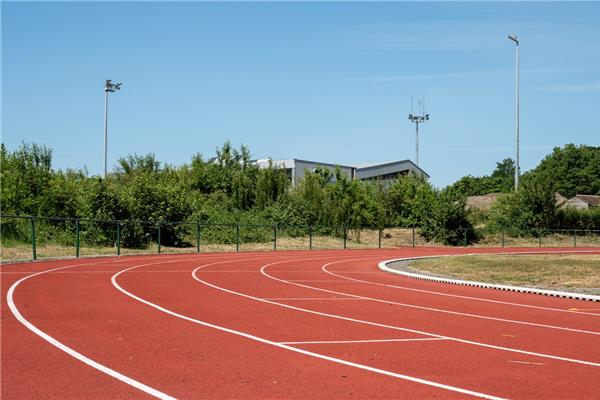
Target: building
381 172
582 202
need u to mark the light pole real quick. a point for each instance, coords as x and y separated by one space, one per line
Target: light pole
515 39
108 87
418 119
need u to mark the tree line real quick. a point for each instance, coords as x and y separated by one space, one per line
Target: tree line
229 188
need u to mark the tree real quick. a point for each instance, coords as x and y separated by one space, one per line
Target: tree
571 169
411 200
449 220
25 178
500 181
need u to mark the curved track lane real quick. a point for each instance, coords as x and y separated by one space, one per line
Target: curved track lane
287 325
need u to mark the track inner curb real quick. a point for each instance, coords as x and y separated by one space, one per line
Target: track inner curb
383 265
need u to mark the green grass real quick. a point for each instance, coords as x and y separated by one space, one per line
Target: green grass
572 272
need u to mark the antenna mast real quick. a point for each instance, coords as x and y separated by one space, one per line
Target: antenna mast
418 119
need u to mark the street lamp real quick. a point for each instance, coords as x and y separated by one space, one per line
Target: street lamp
515 39
108 87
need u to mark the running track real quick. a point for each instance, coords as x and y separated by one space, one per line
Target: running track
297 325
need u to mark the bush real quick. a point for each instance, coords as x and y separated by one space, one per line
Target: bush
449 221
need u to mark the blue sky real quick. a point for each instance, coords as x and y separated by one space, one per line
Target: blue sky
329 82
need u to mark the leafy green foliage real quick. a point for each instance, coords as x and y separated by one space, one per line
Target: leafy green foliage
571 169
230 190
500 181
448 222
532 207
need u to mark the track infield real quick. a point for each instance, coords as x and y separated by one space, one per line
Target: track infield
298 325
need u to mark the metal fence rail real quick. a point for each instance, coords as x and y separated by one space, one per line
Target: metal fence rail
62 236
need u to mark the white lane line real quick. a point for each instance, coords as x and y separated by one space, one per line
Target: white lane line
93 272
336 316
316 280
525 362
453 295
309 298
88 361
511 321
397 327
294 349
228 271
364 341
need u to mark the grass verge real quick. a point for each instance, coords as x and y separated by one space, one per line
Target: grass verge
568 272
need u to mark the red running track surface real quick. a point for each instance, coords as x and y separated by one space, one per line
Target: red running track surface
298 325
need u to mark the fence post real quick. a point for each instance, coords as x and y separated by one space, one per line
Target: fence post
413 236
380 237
118 238
574 238
33 249
158 228
540 238
502 237
197 237
237 238
345 237
77 238
465 239
274 237
310 237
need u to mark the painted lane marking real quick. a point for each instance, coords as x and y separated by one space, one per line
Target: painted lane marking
404 329
364 341
562 328
309 298
507 335
316 280
458 296
525 362
586 309
294 349
88 361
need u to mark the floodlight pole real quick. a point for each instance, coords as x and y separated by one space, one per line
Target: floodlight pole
108 87
105 130
515 39
417 142
417 119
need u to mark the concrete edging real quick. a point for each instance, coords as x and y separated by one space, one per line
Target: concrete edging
554 293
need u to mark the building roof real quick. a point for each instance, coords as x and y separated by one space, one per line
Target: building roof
363 167
363 170
589 199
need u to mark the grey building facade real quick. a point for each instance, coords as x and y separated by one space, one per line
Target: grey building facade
382 172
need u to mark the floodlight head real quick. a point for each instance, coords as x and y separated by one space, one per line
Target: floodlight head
112 87
514 38
427 117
